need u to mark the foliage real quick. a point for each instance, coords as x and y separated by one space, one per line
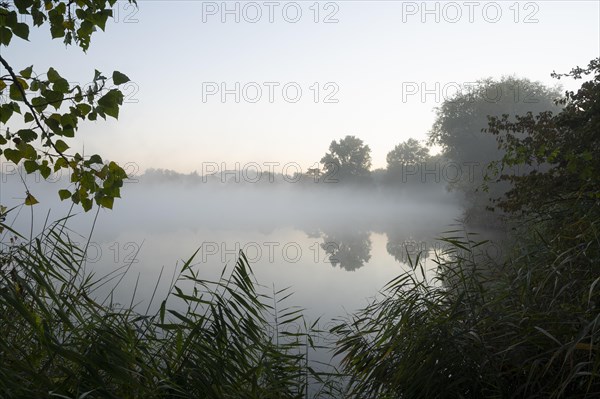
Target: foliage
525 324
407 153
348 160
525 329
224 339
563 149
349 250
459 126
51 108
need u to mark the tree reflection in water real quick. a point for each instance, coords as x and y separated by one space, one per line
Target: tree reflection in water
349 250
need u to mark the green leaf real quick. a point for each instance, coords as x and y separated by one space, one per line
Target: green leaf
45 171
68 132
21 30
6 112
15 107
53 76
54 125
57 29
13 155
61 146
64 194
28 117
95 159
67 121
5 35
27 151
53 98
60 163
119 78
30 166
110 103
86 203
26 73
15 93
39 103
2 85
30 200
27 135
84 109
101 17
98 75
22 5
61 86
106 202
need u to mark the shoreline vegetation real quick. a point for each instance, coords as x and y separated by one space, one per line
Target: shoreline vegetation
523 324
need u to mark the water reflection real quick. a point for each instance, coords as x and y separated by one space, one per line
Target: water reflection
403 246
349 250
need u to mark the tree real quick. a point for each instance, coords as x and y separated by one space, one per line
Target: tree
404 160
563 151
459 129
51 108
409 152
348 160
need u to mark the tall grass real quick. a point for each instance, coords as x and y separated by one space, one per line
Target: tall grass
527 327
209 339
525 324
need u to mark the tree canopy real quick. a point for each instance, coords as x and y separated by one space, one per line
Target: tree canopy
459 129
407 153
460 120
348 160
563 149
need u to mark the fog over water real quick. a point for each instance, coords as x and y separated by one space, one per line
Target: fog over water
333 245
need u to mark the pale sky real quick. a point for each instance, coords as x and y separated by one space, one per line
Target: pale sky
176 51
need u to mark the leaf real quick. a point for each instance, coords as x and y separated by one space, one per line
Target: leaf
119 78
21 30
15 92
39 103
111 99
26 73
5 113
13 155
86 203
2 85
53 76
53 98
61 86
27 151
60 163
28 117
61 146
84 108
106 202
45 171
67 121
27 135
64 194
95 159
30 200
30 166
5 36
22 5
